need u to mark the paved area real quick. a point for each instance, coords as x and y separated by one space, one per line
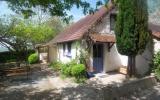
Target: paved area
108 78
147 94
44 84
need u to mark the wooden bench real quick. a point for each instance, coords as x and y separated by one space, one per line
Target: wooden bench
14 71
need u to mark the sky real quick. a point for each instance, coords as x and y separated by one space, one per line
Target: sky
76 13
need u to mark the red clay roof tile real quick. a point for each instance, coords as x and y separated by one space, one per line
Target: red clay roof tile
156 34
103 38
77 30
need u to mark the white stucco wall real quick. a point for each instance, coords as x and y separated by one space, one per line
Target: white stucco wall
112 60
143 61
52 53
103 26
74 52
156 45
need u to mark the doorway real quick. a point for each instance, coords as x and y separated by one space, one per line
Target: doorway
98 57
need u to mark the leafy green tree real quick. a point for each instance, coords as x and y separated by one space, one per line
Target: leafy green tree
56 24
132 32
18 36
54 7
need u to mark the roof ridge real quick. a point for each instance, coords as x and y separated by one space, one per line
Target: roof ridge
80 27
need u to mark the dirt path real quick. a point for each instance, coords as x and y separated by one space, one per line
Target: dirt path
147 94
44 84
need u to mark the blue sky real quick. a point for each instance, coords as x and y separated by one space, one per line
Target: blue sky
76 13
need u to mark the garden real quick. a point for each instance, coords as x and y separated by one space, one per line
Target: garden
156 65
71 69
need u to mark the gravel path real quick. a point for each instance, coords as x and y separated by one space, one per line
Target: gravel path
44 84
148 94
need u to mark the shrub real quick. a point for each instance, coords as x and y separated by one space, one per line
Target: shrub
66 68
83 57
72 69
12 57
78 71
67 71
33 58
56 65
156 65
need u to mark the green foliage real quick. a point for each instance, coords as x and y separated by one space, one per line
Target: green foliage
66 68
33 58
132 33
156 65
31 32
53 7
12 56
72 69
19 35
157 59
132 27
78 71
83 56
56 65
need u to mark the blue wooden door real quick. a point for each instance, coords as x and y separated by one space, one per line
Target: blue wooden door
98 58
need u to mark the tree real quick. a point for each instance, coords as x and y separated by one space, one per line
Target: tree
131 30
54 7
18 36
56 24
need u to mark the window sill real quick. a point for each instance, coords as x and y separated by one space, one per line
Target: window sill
69 55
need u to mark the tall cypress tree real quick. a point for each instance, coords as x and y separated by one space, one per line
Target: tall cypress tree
132 30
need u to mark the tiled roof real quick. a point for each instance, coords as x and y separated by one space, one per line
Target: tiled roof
156 34
155 30
77 30
103 38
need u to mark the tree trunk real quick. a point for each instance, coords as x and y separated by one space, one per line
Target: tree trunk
131 68
133 65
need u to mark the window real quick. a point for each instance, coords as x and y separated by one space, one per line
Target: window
67 49
64 49
112 21
97 50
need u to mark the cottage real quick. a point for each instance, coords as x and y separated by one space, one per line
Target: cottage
95 34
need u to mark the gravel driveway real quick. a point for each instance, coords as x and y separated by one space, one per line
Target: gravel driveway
44 84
